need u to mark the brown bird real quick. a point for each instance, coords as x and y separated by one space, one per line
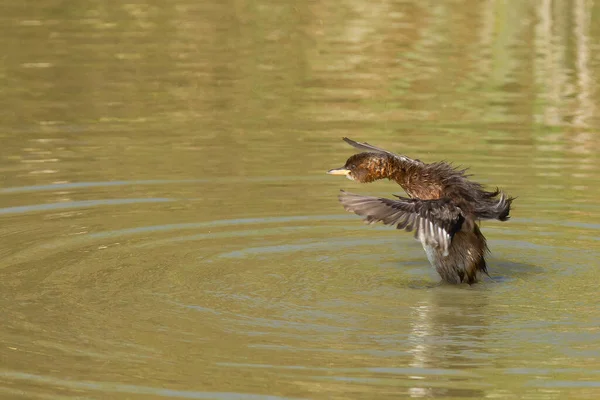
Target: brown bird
442 207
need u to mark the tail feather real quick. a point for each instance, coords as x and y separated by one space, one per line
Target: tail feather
494 208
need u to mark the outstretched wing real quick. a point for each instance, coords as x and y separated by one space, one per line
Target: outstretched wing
434 221
370 148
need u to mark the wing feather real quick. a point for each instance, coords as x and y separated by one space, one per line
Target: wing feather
370 148
434 221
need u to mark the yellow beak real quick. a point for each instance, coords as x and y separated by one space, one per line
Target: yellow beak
339 171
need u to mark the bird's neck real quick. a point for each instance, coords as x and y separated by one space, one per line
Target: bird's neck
383 166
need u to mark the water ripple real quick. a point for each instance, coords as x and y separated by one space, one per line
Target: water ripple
135 389
85 185
78 204
289 248
224 222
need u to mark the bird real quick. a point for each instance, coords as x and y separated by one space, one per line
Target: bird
443 207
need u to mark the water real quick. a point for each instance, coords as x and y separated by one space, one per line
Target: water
167 229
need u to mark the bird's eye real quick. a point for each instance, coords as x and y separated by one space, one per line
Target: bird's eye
352 166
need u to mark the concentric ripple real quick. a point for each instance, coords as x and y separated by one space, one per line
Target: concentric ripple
272 295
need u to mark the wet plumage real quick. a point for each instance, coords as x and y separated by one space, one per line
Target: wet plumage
442 208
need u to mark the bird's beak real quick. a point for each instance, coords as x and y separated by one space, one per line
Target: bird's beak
339 171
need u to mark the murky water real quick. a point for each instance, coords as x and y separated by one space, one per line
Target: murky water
167 228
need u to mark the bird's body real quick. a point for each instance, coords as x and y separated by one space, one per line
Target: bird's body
442 207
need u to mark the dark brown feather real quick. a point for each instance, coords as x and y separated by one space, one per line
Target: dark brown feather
435 221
